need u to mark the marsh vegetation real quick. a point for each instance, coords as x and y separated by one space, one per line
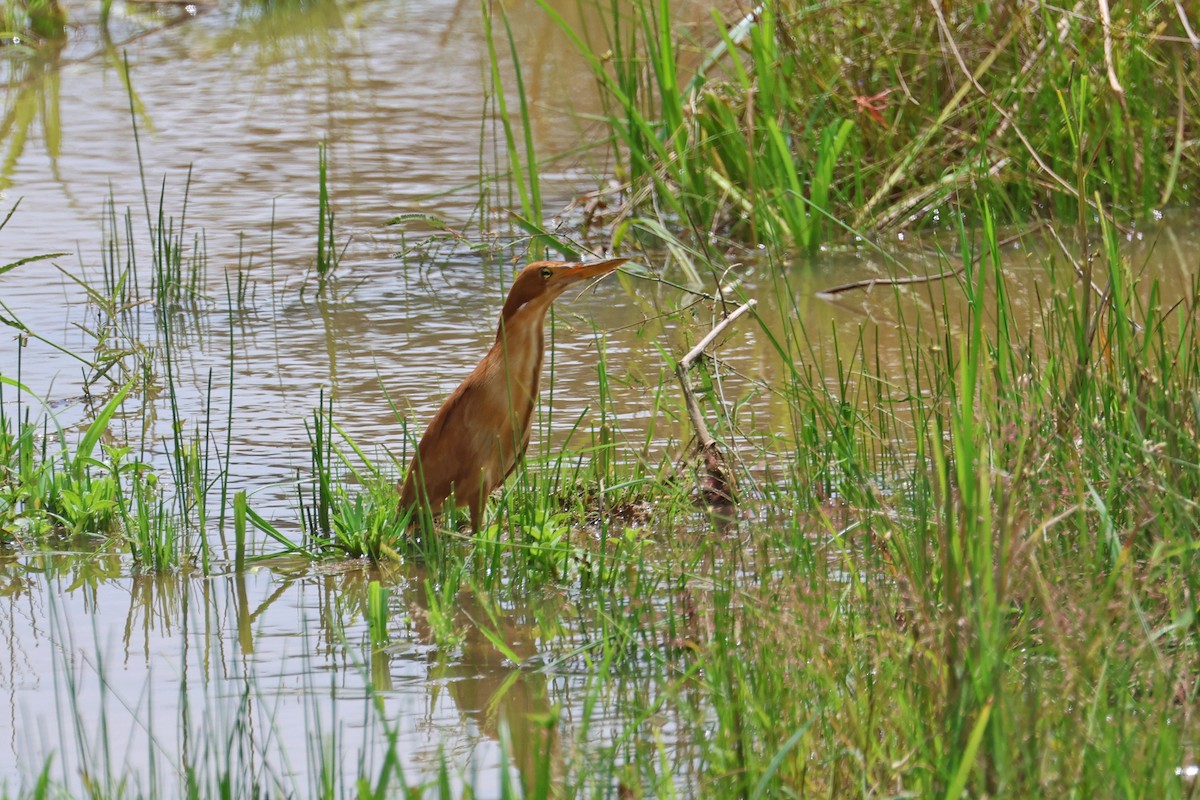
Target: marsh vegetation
963 419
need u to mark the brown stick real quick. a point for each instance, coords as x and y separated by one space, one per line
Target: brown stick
695 352
716 483
871 283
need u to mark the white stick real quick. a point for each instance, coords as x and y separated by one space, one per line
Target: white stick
703 437
695 352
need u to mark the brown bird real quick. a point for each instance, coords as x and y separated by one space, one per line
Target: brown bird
478 434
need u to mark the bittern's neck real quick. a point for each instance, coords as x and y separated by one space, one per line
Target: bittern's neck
528 318
520 344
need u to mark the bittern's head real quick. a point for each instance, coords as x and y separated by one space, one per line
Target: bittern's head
542 281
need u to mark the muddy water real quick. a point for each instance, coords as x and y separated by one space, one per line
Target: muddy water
239 100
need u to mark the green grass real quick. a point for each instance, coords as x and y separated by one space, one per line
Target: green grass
887 115
328 256
1023 581
98 483
1002 607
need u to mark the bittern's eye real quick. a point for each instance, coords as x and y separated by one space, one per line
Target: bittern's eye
547 272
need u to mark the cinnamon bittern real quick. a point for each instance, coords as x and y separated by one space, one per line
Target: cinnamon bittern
476 437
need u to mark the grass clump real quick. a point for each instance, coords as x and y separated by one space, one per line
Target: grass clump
51 489
103 485
891 114
1006 611
74 491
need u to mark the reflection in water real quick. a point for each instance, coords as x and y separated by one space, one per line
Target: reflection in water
30 103
493 693
268 663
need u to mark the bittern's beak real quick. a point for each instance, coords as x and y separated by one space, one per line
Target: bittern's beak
593 269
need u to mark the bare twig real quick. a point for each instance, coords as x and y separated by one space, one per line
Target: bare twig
871 283
1187 26
695 352
1106 19
716 481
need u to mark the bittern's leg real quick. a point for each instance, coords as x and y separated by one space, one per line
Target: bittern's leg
478 504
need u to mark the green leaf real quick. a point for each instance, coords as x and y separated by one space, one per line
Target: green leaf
83 452
955 790
270 530
13 265
760 788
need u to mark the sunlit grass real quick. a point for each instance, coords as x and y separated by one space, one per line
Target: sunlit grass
892 114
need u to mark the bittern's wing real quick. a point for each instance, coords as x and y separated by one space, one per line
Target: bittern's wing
468 447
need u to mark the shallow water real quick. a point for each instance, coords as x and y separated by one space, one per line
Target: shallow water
125 675
239 101
231 110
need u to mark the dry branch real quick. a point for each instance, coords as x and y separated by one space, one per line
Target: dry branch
870 283
716 481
